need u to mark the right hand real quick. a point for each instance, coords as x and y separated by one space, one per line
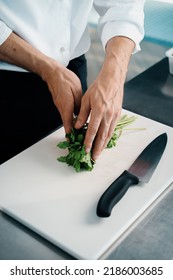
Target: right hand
63 84
66 90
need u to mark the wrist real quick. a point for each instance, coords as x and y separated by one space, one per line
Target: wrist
118 53
121 45
47 67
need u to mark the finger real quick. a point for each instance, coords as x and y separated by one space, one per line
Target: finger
105 133
111 131
92 130
101 138
113 126
77 99
83 114
67 117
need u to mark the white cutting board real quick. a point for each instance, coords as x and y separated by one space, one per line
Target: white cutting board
53 200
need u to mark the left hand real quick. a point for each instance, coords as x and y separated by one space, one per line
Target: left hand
102 102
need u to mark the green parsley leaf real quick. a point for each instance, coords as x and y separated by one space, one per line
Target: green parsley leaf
77 157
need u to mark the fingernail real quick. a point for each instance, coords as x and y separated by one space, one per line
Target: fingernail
87 150
78 124
95 158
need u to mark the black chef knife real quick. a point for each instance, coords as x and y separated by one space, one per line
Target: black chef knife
140 171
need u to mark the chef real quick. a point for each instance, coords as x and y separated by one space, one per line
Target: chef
43 71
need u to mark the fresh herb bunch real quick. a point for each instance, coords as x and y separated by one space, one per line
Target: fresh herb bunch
77 156
123 122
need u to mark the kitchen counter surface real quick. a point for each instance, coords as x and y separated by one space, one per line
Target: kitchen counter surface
149 94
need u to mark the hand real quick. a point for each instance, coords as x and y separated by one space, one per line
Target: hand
63 84
103 103
66 91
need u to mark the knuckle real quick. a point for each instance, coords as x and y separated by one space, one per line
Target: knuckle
109 135
103 136
92 129
101 109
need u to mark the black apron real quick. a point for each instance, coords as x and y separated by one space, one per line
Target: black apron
27 111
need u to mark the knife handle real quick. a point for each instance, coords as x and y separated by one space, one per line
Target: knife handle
114 193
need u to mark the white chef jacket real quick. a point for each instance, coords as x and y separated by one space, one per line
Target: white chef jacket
58 28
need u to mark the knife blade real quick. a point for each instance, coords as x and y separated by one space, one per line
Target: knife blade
141 170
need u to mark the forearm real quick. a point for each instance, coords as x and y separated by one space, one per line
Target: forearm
117 57
18 52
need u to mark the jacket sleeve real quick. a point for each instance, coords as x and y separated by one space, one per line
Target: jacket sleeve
5 31
121 18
